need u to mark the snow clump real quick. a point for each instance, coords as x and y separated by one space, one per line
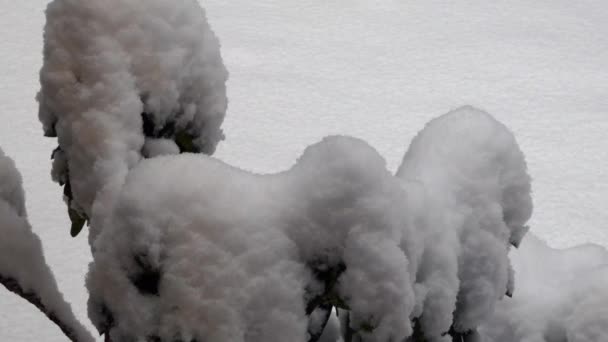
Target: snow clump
473 198
197 249
118 75
23 269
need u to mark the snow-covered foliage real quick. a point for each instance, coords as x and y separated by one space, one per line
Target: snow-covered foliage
23 269
197 249
561 296
468 177
123 80
188 248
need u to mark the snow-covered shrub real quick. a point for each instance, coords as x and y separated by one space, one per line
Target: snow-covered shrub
473 195
561 296
123 80
337 230
197 249
23 269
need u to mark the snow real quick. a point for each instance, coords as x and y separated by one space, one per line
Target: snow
22 264
378 71
235 251
475 197
109 66
561 295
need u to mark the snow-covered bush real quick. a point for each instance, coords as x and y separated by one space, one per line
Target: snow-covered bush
473 194
123 80
337 230
561 296
234 256
188 248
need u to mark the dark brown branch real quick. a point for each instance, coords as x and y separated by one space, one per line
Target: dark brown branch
12 285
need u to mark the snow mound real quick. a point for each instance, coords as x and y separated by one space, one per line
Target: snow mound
121 73
469 179
23 269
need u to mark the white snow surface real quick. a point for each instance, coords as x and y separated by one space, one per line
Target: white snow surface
375 70
21 256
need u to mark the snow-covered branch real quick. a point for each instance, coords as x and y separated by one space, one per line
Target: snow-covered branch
124 80
23 269
187 248
233 256
470 189
561 296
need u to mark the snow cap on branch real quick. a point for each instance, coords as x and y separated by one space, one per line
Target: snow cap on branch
199 249
561 296
23 269
470 172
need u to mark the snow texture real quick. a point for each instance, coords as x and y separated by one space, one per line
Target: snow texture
543 73
119 75
23 268
332 330
473 189
561 296
234 256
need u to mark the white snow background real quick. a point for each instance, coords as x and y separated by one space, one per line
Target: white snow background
377 70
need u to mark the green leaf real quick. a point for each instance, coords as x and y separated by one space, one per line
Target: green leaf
185 142
77 222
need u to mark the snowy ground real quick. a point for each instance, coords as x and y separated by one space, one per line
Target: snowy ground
371 69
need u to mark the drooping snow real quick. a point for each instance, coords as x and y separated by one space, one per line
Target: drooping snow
474 198
23 268
561 296
234 256
118 75
199 249
331 333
